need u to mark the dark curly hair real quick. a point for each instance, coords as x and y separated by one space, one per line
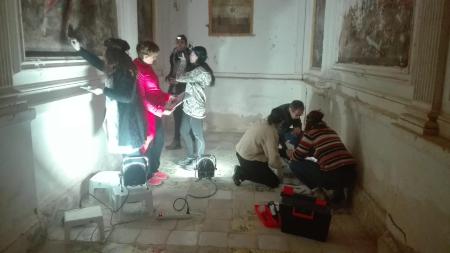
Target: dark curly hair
118 60
314 120
275 117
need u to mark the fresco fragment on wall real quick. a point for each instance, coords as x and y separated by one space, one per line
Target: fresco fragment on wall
145 20
45 24
377 32
319 18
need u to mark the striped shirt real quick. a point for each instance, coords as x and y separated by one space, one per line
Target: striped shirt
326 146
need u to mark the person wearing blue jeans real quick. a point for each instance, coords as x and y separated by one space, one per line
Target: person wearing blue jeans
197 78
189 123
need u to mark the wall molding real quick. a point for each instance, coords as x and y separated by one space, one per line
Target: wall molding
257 76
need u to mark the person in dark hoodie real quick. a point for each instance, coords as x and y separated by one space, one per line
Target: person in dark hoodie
291 129
124 122
178 64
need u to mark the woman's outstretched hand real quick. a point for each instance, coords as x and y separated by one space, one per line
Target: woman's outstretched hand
95 91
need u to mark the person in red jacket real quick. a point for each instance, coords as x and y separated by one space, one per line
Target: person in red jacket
154 101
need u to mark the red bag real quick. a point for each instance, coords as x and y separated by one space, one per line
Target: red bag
266 216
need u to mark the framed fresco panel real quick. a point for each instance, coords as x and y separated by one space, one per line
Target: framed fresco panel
377 33
45 24
317 47
230 17
145 20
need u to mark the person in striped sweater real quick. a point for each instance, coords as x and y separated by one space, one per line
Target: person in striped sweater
333 166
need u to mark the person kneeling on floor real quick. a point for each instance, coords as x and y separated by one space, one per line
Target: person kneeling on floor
257 152
335 166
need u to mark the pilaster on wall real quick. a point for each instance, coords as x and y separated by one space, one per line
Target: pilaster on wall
429 52
127 24
5 59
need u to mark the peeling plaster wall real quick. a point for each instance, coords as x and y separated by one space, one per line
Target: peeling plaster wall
254 73
46 159
403 173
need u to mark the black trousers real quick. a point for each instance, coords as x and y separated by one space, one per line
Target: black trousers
154 152
256 171
309 173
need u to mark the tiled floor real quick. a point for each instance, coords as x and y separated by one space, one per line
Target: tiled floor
224 222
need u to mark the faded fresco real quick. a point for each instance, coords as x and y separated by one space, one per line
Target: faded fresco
145 20
230 17
45 25
377 32
319 18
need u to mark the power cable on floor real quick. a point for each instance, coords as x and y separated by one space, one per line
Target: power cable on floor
185 198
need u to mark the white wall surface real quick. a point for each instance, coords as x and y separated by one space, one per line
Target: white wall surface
254 73
404 173
18 200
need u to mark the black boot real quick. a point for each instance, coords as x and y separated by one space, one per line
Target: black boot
236 178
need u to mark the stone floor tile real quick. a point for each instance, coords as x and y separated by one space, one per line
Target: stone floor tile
206 249
241 240
118 248
197 205
364 246
75 232
221 194
298 244
188 238
152 237
335 248
89 233
265 196
220 204
224 214
213 225
180 249
215 239
124 235
56 233
162 224
272 242
193 224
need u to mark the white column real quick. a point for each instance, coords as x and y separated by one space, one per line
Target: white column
127 23
5 57
429 52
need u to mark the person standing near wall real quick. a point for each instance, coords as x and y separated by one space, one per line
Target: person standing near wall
198 77
154 101
178 64
124 122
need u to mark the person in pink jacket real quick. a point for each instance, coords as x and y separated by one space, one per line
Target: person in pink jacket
154 101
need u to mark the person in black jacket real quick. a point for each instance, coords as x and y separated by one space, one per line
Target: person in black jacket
178 66
124 122
291 129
